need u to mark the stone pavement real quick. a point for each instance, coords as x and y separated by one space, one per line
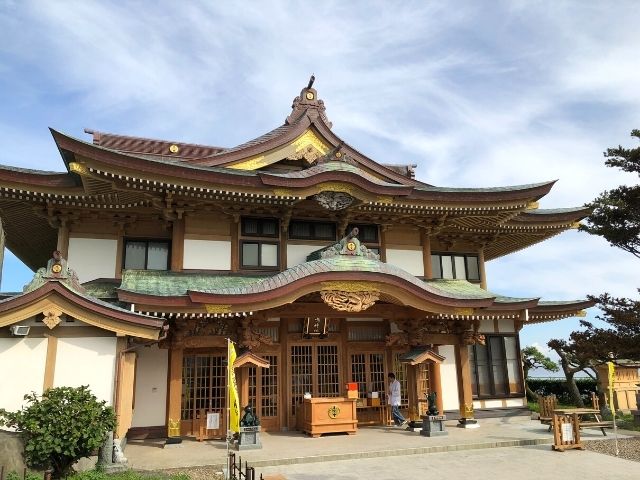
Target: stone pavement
289 448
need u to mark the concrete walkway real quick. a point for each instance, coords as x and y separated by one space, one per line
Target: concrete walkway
288 448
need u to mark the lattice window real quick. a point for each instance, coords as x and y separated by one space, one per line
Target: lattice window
367 369
328 378
301 373
366 333
204 383
269 390
423 387
359 373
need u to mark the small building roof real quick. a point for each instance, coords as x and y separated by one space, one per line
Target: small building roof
419 355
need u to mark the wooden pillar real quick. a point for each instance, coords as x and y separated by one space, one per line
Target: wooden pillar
125 392
175 386
383 243
63 240
483 274
50 362
177 245
465 393
436 385
283 247
235 244
426 253
242 376
284 376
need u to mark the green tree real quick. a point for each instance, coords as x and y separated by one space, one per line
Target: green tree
533 358
573 360
616 213
60 427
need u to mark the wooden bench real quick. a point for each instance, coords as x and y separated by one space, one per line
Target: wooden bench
547 406
601 424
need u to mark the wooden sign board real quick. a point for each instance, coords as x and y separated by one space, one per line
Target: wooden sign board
566 432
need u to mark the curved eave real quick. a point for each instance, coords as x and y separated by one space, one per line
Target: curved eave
401 290
91 312
563 215
39 181
130 296
515 304
551 311
514 193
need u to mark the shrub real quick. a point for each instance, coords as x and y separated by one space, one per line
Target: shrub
62 426
558 387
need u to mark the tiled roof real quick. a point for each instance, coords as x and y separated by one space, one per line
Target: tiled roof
335 167
481 189
171 284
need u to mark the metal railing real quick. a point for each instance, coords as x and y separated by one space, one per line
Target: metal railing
235 469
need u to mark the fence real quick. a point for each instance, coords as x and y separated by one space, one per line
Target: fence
235 469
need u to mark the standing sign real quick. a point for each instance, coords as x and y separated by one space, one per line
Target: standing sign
213 421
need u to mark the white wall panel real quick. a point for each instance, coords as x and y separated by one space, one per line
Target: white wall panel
505 325
151 387
87 361
409 260
22 363
207 254
93 258
449 378
516 402
486 326
493 404
297 254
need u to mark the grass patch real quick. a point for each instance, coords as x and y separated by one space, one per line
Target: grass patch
127 475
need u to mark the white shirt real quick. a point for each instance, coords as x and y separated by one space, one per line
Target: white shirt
394 393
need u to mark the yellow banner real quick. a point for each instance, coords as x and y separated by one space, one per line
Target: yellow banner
611 382
234 402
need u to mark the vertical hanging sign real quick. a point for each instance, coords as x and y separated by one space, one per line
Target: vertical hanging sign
611 381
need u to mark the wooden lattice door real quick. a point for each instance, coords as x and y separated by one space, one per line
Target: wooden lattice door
264 392
204 381
314 368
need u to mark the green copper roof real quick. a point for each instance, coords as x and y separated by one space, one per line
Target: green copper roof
171 284
481 189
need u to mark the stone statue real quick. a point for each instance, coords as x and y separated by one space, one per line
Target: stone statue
249 419
432 408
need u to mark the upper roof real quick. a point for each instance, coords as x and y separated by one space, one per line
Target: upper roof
301 159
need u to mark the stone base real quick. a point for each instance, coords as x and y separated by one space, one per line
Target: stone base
114 468
468 423
433 426
249 439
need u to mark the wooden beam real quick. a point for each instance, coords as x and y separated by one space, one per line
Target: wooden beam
125 392
63 241
235 245
50 362
436 384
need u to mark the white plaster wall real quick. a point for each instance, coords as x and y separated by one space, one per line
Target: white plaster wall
493 404
207 254
516 402
87 361
505 325
449 378
22 363
409 260
151 387
486 326
297 254
477 404
93 258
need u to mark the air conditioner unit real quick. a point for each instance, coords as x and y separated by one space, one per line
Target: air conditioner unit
20 330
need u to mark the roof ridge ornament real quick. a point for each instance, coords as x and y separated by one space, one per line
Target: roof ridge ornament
349 245
56 269
307 103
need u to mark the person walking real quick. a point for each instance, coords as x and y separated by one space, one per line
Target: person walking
394 401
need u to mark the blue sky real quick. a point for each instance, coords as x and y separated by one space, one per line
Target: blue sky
475 93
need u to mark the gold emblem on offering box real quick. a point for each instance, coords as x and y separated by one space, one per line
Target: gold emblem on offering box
334 411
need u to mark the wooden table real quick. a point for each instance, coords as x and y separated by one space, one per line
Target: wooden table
596 423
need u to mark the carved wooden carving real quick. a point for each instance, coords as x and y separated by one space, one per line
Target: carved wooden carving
52 317
250 338
349 301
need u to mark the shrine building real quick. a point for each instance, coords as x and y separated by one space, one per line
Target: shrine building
323 265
